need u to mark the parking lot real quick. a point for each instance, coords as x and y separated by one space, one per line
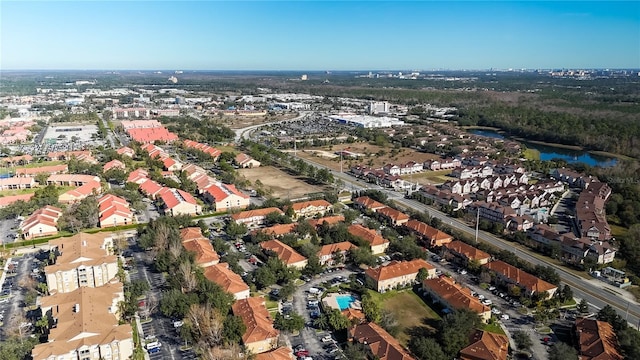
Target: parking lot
503 307
12 314
158 331
317 343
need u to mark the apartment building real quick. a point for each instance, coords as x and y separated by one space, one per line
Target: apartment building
327 252
395 217
43 222
82 260
596 340
454 296
285 253
379 343
513 276
86 326
485 345
430 235
254 217
193 241
377 243
227 280
398 273
114 211
179 202
225 197
260 335
311 208
465 253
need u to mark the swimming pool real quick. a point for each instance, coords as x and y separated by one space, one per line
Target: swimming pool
345 301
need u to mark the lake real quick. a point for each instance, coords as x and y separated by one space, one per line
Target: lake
548 152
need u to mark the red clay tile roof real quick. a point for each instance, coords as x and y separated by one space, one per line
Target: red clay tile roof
257 212
369 235
393 214
203 249
454 294
520 277
427 231
10 199
256 318
281 353
150 135
468 251
486 346
305 204
330 220
283 251
114 164
279 229
381 343
398 268
332 248
597 340
369 203
225 278
150 187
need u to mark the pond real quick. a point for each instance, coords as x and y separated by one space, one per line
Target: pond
548 152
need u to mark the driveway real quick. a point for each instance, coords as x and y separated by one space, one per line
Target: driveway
13 307
310 337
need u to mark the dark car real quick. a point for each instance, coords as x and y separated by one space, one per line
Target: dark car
154 350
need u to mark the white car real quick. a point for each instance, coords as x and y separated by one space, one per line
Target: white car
504 317
487 302
152 345
327 339
177 324
496 311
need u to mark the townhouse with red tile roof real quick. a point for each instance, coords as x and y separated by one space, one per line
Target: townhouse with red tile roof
227 280
114 164
379 342
430 235
254 217
454 296
43 222
193 241
114 211
398 273
225 197
179 202
311 208
513 276
377 243
260 336
285 253
485 345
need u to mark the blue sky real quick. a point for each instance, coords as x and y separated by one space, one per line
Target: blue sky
318 35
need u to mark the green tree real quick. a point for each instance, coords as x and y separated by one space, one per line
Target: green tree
313 265
583 307
426 348
264 277
371 308
235 230
523 341
562 351
234 328
422 275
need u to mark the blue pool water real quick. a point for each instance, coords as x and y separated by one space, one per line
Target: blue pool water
344 301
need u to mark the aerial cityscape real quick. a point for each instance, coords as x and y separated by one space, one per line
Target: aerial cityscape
362 180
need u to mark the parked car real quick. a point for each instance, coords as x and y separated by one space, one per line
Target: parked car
327 338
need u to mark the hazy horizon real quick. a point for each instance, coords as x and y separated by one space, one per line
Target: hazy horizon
318 35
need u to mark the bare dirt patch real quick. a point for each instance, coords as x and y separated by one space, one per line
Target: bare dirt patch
281 184
372 155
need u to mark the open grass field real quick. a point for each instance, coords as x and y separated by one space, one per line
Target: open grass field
429 177
372 155
409 310
61 190
5 170
281 184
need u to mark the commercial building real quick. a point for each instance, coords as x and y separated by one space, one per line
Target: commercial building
366 121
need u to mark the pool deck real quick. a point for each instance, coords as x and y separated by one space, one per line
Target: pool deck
331 301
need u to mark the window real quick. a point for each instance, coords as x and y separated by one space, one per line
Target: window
85 354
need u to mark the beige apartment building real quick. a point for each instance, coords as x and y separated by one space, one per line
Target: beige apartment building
86 326
83 260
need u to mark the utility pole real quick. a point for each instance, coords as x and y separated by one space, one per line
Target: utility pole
477 222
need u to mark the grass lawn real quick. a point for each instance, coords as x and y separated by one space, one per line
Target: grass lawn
618 231
493 328
531 154
409 310
431 177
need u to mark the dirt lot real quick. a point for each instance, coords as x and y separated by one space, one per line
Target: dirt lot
281 184
372 155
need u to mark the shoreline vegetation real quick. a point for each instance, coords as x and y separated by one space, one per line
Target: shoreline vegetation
556 145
